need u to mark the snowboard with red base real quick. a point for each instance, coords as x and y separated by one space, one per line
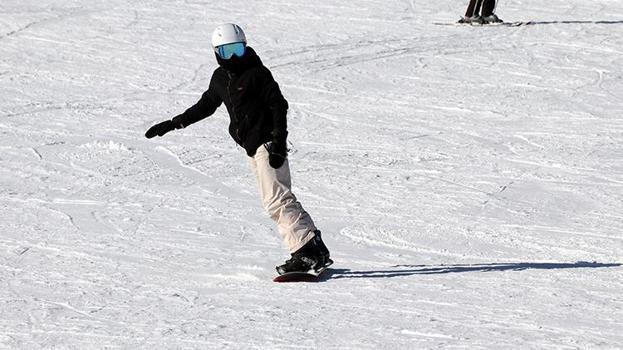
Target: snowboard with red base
300 276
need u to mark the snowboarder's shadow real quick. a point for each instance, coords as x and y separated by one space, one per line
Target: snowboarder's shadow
410 270
576 22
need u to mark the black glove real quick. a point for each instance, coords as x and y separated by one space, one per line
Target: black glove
161 129
277 154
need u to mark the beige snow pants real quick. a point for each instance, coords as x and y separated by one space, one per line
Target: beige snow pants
295 225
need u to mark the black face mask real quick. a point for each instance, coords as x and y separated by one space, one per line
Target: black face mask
238 65
235 64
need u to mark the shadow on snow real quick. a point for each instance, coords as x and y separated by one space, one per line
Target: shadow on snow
575 22
410 270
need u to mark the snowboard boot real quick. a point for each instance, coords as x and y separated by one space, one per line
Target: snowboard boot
322 248
313 256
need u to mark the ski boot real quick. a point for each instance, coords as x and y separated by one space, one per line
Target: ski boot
474 20
313 256
492 19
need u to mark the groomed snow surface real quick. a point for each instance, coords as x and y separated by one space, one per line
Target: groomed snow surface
468 180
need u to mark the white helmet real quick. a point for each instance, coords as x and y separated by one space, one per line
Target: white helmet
226 34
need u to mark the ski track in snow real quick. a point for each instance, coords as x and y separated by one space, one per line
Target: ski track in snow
468 180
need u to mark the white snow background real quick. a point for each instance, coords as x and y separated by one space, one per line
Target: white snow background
468 180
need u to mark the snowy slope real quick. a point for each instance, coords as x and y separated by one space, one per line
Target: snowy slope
468 180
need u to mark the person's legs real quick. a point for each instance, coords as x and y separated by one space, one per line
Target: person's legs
473 8
472 14
488 15
293 222
487 7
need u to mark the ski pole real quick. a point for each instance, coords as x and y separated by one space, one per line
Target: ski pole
477 7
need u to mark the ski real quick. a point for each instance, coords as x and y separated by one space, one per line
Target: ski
475 24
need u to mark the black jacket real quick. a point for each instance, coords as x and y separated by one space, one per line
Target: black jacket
256 107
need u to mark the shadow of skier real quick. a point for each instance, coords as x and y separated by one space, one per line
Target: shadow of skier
410 270
574 22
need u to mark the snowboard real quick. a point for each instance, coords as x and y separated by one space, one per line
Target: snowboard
501 24
300 276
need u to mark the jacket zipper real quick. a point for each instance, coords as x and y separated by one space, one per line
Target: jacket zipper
233 107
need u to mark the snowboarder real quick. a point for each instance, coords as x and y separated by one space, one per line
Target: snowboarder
480 12
258 123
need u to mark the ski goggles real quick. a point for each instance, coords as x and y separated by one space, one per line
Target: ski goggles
228 50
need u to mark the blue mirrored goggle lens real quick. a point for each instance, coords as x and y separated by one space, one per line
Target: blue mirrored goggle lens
228 50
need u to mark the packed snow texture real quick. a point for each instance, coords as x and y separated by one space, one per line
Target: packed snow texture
468 180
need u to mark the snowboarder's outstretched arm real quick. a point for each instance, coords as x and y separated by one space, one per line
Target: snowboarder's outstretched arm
204 108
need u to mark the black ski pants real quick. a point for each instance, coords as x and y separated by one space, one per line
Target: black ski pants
483 8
